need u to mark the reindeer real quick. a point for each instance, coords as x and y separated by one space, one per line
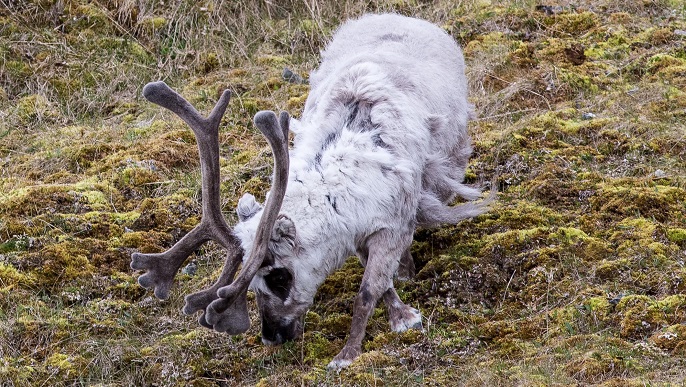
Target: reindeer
381 148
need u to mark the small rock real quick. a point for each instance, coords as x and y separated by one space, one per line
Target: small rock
680 32
588 116
615 300
190 269
659 174
291 77
548 9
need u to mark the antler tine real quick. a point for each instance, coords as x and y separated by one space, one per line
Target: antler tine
161 268
200 300
233 296
161 94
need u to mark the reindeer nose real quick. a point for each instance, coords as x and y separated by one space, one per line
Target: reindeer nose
276 332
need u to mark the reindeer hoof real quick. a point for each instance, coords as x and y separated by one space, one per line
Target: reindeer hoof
344 358
407 318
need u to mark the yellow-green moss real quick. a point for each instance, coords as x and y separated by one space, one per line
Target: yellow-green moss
10 276
272 60
297 104
90 16
610 269
578 82
599 308
153 23
677 235
61 262
145 241
319 349
670 337
33 109
640 315
66 366
615 47
574 24
509 240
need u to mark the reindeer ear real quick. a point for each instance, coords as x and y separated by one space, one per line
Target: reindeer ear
282 240
247 207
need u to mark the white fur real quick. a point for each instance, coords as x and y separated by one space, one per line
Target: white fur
407 75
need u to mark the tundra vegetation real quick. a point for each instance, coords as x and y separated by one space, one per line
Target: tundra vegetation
576 276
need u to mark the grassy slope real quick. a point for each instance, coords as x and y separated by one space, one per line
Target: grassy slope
576 277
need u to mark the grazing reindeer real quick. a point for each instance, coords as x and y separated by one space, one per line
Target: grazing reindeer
381 148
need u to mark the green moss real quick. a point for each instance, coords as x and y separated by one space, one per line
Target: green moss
522 295
582 245
34 109
19 370
492 330
319 349
152 24
92 17
570 235
659 202
145 241
251 106
66 366
671 337
659 62
579 83
615 47
18 69
677 235
574 24
515 239
209 62
297 104
638 316
273 60
76 198
137 177
16 243
599 308
336 324
609 270
495 41
10 277
60 263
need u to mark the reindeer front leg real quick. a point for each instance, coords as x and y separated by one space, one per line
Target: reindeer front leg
384 252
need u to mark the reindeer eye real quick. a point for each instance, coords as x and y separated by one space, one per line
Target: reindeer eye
279 282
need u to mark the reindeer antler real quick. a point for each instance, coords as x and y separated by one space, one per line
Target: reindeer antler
233 296
161 268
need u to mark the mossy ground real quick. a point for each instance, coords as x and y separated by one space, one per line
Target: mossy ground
575 277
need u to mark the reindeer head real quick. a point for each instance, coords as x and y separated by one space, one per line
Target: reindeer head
224 304
281 286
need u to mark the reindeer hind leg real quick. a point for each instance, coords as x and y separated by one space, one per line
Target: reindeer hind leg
406 269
